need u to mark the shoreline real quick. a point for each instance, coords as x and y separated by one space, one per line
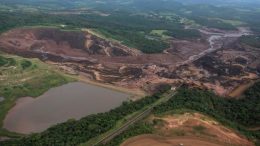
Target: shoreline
135 94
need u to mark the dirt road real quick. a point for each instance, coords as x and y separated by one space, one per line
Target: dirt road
153 140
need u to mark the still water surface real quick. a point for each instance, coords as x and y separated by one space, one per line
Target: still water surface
73 100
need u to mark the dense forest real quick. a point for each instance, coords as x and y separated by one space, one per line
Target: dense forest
241 111
237 114
116 26
129 23
184 34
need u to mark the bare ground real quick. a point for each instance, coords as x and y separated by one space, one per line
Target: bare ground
112 63
153 140
189 129
197 125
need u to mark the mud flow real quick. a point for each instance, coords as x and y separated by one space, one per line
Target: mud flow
216 61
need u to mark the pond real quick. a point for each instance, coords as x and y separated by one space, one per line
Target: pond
70 101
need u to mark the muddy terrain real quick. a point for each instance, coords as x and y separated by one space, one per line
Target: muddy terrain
224 70
216 61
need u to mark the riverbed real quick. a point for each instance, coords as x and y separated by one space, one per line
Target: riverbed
215 41
70 101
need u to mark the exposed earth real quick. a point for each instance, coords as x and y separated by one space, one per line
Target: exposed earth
216 61
153 140
188 129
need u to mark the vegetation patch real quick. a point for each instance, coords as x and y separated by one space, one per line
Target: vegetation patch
160 34
75 132
135 130
6 62
237 114
24 77
136 40
26 63
183 33
252 40
233 22
213 23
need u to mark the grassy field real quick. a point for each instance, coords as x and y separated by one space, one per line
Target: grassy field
160 33
21 77
234 22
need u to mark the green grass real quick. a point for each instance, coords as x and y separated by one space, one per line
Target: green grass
101 34
53 25
184 33
21 77
189 23
234 22
133 39
160 33
231 22
6 62
5 133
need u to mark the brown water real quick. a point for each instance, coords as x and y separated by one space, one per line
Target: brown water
73 100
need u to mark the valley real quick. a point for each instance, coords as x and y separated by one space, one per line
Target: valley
110 62
129 73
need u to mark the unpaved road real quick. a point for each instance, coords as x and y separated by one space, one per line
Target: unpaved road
153 140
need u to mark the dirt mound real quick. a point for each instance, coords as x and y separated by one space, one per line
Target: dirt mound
186 130
153 140
66 44
194 125
74 39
